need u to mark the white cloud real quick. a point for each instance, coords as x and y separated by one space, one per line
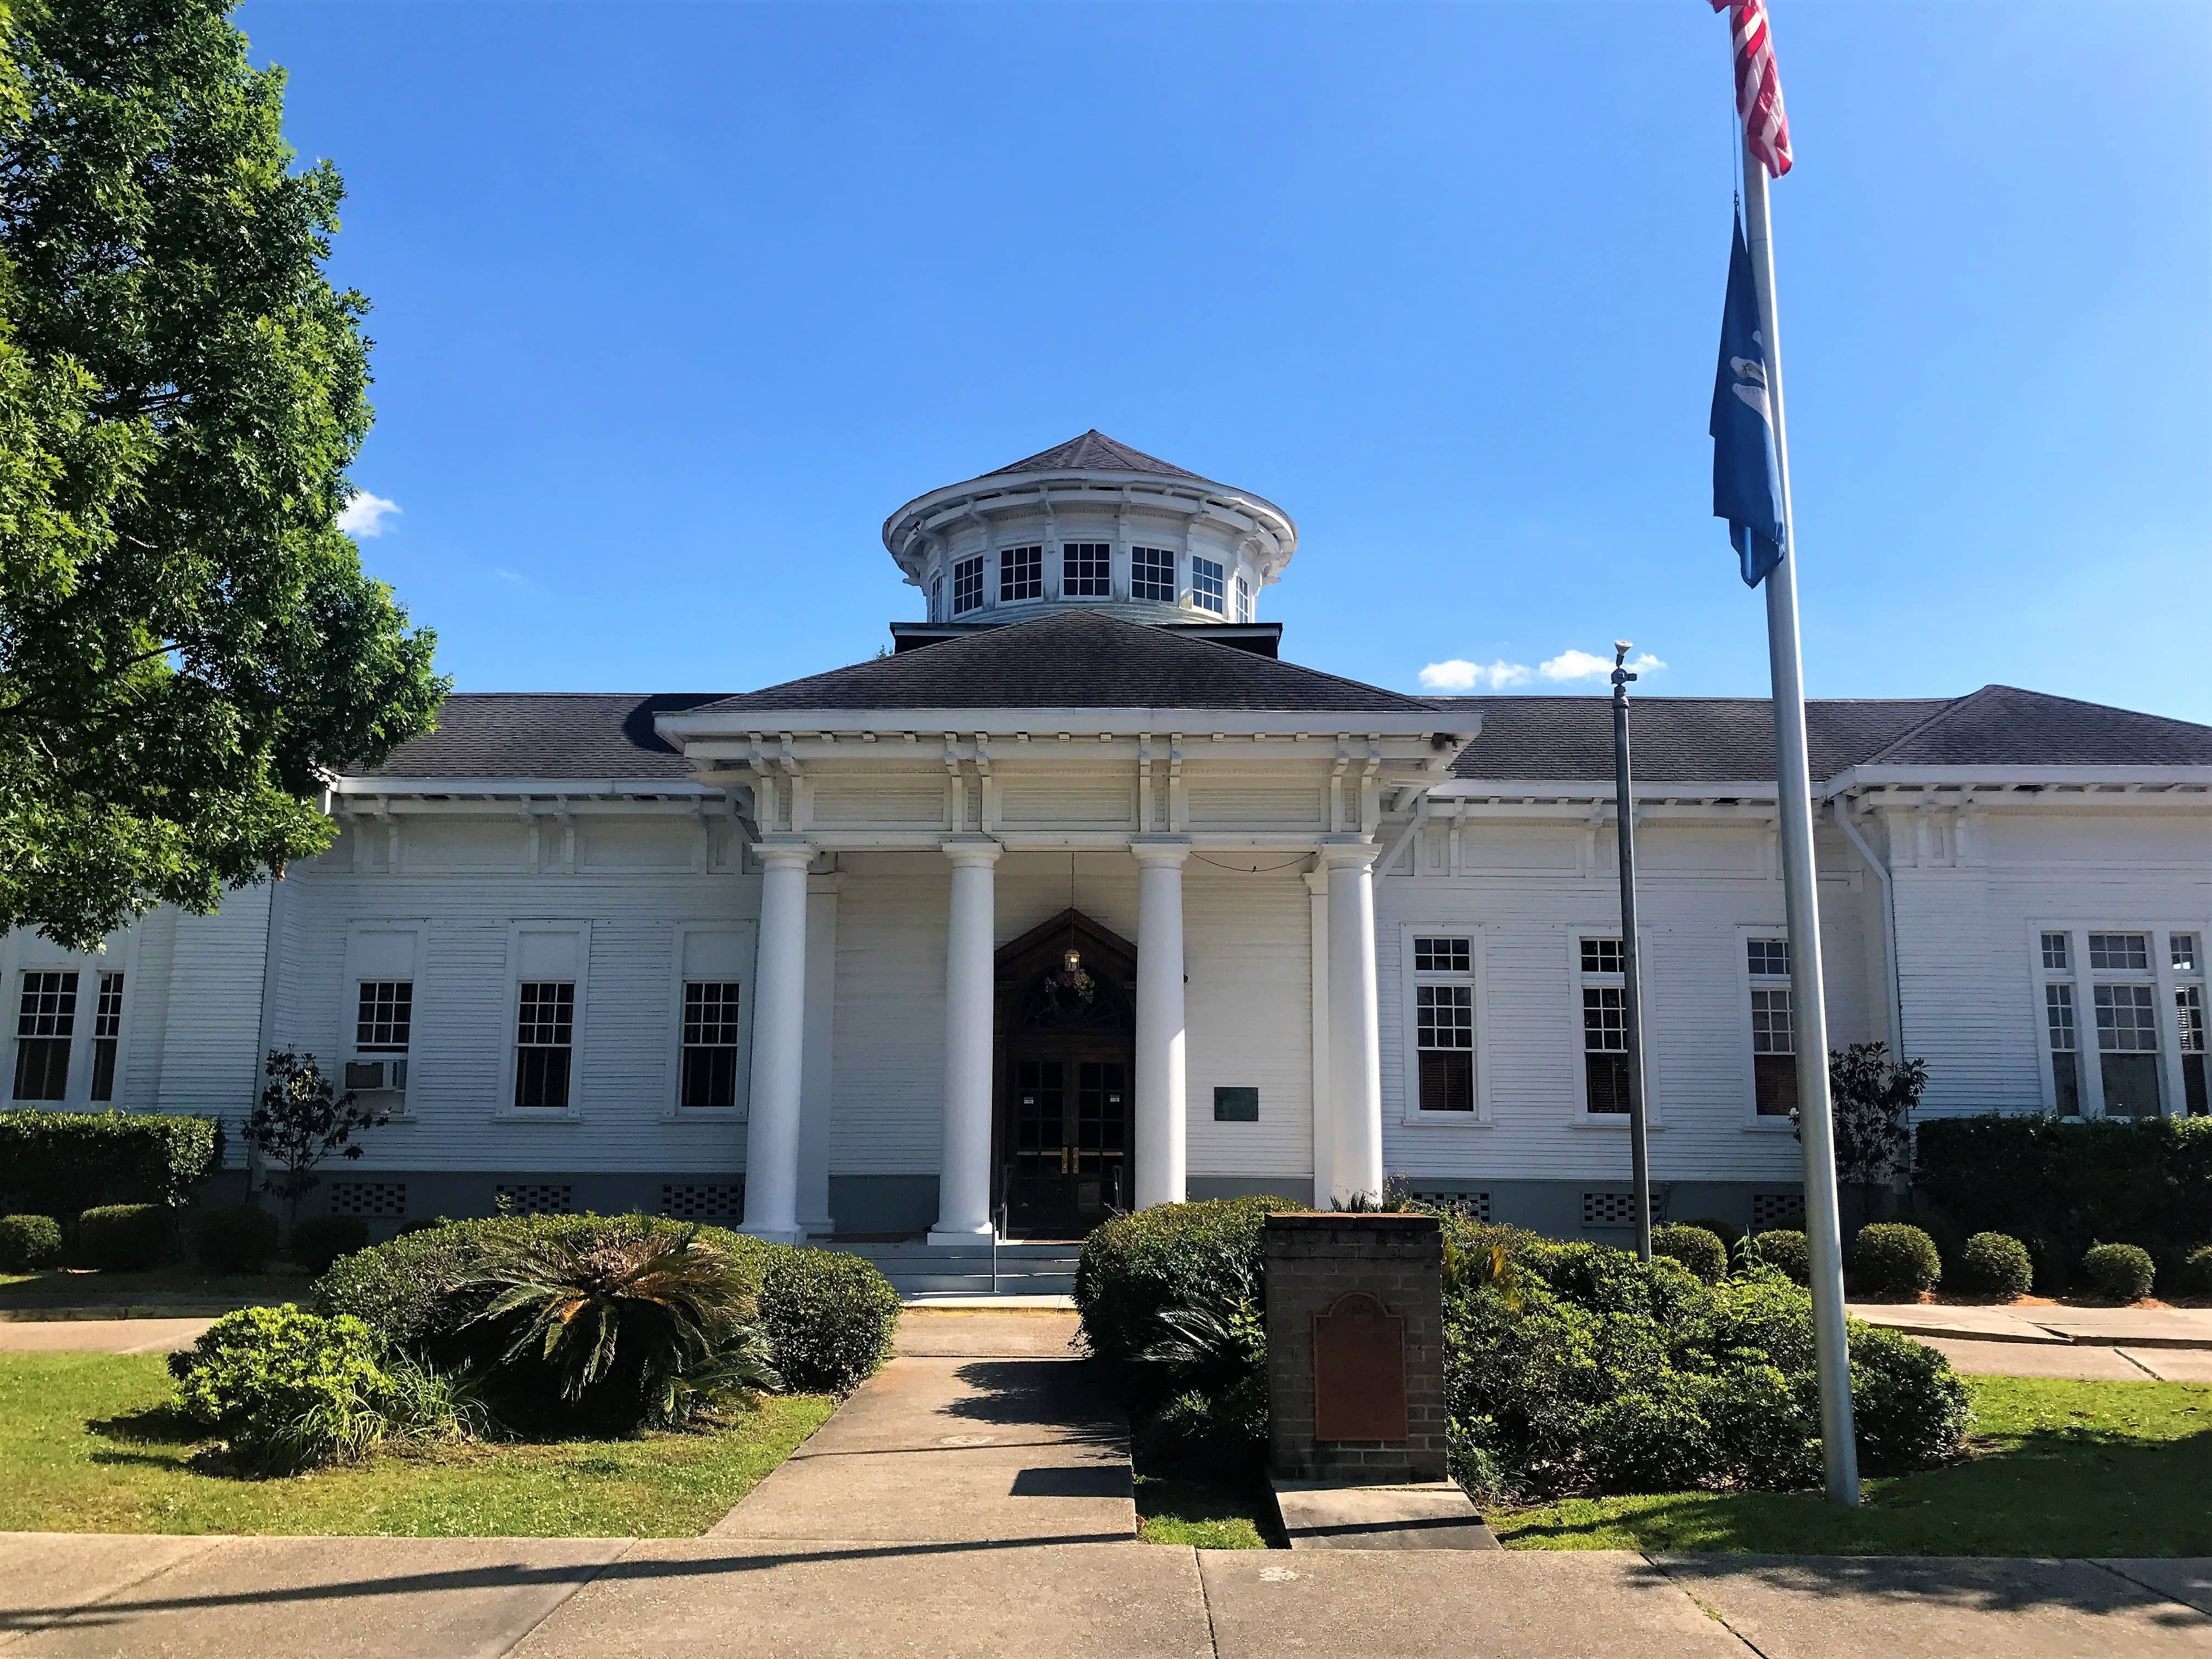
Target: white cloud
1581 666
364 515
506 575
1459 675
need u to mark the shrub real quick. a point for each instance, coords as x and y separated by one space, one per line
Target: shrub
2122 1272
320 1240
290 1390
1559 1384
1209 1360
1890 1258
1695 1248
2059 1187
2197 1271
1728 1232
123 1238
829 1318
1994 1264
1784 1249
28 1242
61 1163
237 1240
1136 1266
628 1325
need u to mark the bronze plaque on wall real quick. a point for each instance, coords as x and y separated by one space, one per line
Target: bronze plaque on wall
1359 1371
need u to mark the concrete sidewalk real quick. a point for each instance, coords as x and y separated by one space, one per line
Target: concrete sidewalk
2067 1360
100 1335
2127 1327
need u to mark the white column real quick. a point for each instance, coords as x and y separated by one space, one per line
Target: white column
1324 1121
779 990
819 1055
1354 1043
1160 1074
964 1176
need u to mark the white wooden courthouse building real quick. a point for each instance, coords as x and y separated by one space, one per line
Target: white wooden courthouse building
1084 897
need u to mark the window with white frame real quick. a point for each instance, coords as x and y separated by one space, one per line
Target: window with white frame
1021 573
967 585
544 1037
2185 955
937 598
46 1024
710 1045
1243 599
107 1036
1605 1025
2104 1019
1086 570
1152 574
1773 1027
1206 592
1444 1022
2128 1048
2057 952
383 1026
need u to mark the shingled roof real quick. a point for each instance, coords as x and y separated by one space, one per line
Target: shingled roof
1094 452
1731 739
1078 659
544 734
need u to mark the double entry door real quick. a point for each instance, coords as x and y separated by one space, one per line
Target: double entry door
1066 1163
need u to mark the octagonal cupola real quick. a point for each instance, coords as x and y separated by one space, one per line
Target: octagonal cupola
1093 523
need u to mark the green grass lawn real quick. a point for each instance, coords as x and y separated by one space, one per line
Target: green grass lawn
2059 1468
1209 1515
86 1447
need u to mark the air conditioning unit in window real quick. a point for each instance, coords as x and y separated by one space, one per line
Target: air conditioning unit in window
375 1076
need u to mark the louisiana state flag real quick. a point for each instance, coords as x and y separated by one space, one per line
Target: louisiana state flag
1747 475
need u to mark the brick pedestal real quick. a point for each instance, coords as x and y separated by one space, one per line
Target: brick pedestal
1315 1263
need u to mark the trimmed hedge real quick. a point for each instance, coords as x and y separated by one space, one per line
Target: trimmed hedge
1994 1264
829 1316
2060 1187
1726 1231
1890 1258
320 1240
2197 1271
1786 1250
237 1240
63 1163
1135 1266
28 1242
127 1238
1696 1247
2122 1272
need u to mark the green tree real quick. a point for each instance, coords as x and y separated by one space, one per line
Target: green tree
300 1121
188 645
1873 1097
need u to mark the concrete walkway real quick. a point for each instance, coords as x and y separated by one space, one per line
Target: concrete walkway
2081 1364
2129 1328
100 1335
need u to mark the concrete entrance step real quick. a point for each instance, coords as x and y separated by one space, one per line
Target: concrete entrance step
1428 1514
918 1268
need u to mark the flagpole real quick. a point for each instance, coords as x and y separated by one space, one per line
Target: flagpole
1632 980
1808 996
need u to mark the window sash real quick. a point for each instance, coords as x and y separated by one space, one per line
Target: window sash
1443 955
1152 574
47 1005
2189 1014
1774 1084
1772 1024
1447 1080
1767 958
1206 591
1603 956
967 585
2120 952
544 1032
1021 573
1605 1019
1086 570
384 1016
711 1013
1243 599
107 1036
1444 1017
42 1068
2057 952
2127 1019
2181 952
1604 1082
2058 1018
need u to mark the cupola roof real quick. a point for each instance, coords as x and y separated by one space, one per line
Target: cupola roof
1094 452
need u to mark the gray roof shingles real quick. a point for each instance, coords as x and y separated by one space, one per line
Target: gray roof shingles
1094 452
1078 659
544 734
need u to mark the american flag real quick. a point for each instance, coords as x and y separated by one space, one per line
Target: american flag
1758 86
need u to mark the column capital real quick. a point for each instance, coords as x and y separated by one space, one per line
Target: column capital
1339 852
784 850
972 849
1164 850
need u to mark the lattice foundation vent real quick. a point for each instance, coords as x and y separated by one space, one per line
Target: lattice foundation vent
368 1198
1772 1210
725 1203
536 1198
1614 1209
1475 1206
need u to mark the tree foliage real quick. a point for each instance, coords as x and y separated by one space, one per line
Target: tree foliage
188 644
1873 1098
301 1121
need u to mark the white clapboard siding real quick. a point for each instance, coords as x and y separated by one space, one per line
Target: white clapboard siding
1247 954
211 1038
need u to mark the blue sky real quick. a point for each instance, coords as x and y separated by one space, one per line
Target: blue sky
674 303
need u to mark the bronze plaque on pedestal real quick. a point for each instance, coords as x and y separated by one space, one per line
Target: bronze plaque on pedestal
1359 1371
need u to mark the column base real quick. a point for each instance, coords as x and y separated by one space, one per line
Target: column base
956 1238
817 1226
775 1235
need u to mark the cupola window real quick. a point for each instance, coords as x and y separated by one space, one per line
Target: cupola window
1086 570
1021 574
967 584
1243 599
1152 574
1206 588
